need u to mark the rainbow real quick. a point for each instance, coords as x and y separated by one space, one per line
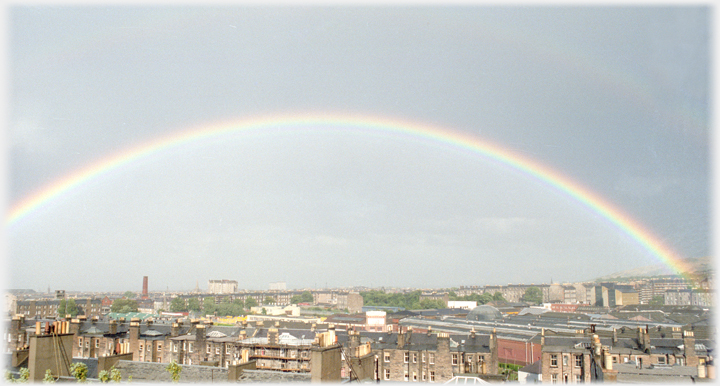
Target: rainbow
342 123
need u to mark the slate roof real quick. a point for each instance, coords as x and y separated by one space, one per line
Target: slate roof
533 368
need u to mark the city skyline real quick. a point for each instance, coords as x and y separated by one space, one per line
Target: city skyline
614 100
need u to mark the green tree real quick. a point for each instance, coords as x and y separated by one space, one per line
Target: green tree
79 370
657 300
124 305
264 311
427 304
533 295
62 308
498 297
209 306
178 305
115 375
269 300
250 302
174 369
304 297
130 294
48 377
72 308
194 304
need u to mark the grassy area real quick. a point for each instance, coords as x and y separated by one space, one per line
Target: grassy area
509 370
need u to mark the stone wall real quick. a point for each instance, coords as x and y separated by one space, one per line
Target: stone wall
156 372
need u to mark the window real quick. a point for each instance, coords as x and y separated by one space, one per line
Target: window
387 374
141 347
407 358
227 350
661 360
553 378
87 343
423 359
80 342
414 357
97 343
432 376
217 350
414 376
175 347
578 378
184 345
565 360
387 357
578 361
159 347
406 376
454 359
190 347
431 358
207 348
553 360
424 376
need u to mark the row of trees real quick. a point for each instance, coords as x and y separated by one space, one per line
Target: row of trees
226 307
408 300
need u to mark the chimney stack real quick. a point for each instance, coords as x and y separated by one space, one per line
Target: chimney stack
145 287
273 336
175 329
112 327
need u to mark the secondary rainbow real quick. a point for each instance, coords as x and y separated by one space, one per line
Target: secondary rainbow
337 123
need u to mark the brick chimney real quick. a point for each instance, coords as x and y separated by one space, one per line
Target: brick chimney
354 339
691 358
272 336
408 335
175 329
149 322
112 327
400 339
199 334
614 337
134 336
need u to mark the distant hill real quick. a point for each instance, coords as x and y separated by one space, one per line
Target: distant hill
698 265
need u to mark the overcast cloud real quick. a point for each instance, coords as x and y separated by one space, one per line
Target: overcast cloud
615 98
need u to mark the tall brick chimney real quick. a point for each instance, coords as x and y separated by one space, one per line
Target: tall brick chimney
145 287
112 327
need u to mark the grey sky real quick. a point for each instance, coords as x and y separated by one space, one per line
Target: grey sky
615 98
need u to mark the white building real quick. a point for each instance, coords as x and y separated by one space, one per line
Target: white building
222 286
375 320
279 286
464 304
